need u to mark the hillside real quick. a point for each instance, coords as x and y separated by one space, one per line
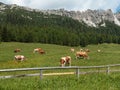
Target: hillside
109 55
22 24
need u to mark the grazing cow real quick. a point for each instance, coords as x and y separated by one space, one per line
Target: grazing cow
65 61
19 57
72 49
17 50
98 50
36 50
82 54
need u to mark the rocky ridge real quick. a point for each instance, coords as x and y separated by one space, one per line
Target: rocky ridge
92 18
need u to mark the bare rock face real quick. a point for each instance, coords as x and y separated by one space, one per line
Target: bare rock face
90 17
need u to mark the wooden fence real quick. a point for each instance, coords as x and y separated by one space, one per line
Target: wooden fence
102 68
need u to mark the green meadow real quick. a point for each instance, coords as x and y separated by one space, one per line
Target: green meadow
110 54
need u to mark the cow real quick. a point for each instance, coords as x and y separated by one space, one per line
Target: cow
19 57
82 54
37 50
98 50
72 49
65 61
17 50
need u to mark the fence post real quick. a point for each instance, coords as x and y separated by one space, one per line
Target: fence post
108 70
41 76
77 72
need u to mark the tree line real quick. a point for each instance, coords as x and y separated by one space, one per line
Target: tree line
24 26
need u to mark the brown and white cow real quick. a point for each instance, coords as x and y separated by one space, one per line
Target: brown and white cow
82 54
39 50
17 50
65 61
36 50
72 49
19 57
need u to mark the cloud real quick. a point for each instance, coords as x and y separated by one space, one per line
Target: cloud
67 4
18 2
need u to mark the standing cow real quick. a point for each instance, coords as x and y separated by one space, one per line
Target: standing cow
65 61
17 50
82 54
19 57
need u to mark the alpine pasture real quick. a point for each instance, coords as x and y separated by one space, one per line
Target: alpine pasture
109 54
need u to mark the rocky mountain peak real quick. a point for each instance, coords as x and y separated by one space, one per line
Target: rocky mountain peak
92 18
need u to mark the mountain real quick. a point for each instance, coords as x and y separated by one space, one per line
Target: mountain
92 18
73 28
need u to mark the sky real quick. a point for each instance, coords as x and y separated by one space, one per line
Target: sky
77 5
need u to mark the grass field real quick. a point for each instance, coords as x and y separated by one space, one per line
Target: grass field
110 54
85 82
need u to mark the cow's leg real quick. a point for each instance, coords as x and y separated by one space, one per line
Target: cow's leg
21 60
70 63
76 57
62 65
16 60
88 57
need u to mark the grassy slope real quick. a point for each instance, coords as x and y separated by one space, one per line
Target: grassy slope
109 55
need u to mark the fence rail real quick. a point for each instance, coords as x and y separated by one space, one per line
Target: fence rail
77 70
